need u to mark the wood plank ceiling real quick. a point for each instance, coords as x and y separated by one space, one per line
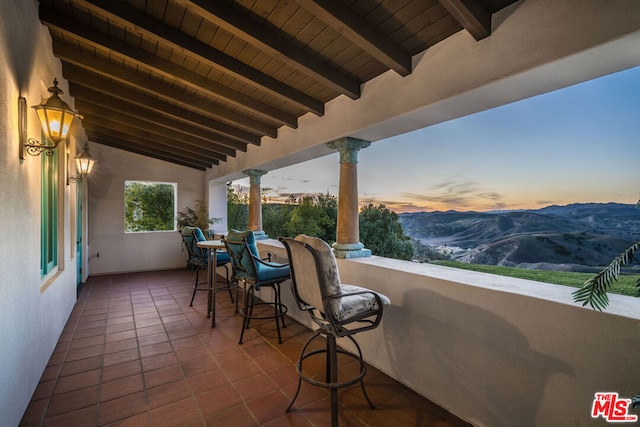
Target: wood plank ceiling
194 81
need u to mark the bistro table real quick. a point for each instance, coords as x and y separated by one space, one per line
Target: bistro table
212 247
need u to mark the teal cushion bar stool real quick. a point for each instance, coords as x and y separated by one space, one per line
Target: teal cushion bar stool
339 310
256 273
199 260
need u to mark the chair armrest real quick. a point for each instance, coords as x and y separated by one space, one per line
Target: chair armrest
363 317
348 294
264 261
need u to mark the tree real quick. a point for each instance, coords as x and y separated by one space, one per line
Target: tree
237 208
381 232
149 206
313 215
329 204
275 217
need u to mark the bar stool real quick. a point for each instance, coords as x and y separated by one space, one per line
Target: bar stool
256 273
339 310
198 259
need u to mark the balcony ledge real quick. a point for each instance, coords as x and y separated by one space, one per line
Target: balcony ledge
619 305
494 350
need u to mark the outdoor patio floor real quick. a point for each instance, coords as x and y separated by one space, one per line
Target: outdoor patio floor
133 353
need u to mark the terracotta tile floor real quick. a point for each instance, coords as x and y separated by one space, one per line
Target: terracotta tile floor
133 353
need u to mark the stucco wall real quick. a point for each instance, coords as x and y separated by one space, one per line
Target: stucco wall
111 250
33 310
496 351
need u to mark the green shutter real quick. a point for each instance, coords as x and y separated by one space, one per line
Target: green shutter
49 238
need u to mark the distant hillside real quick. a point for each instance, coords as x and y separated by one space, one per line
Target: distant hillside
579 237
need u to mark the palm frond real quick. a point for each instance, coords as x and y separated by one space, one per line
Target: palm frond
594 291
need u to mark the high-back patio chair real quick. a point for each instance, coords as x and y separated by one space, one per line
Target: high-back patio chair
338 309
198 259
255 273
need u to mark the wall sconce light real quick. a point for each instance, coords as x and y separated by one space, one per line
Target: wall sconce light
84 164
55 116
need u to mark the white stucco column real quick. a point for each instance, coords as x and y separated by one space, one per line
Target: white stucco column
348 233
255 202
218 206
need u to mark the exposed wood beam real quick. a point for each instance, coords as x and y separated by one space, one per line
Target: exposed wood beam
472 15
224 16
150 143
87 100
140 57
153 87
127 95
164 34
86 108
126 146
360 32
141 113
191 143
108 127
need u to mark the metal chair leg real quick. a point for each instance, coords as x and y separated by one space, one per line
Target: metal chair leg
363 370
332 360
228 283
195 287
299 367
277 310
237 286
248 310
331 351
280 305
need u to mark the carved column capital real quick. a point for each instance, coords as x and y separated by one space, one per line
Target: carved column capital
348 148
254 175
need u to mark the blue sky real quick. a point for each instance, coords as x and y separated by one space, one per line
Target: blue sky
578 144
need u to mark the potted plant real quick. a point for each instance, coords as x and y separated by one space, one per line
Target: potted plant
198 216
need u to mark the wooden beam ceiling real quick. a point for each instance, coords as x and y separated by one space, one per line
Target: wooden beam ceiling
145 150
155 123
107 87
155 88
122 123
164 143
159 32
195 81
145 59
268 40
360 32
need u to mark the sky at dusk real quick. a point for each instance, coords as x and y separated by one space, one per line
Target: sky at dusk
579 144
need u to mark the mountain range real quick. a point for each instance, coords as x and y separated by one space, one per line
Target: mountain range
576 237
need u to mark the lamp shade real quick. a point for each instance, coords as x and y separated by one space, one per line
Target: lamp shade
84 162
55 115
